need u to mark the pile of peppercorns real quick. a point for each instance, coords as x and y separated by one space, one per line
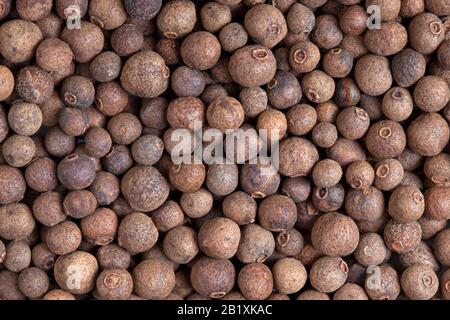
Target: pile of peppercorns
355 92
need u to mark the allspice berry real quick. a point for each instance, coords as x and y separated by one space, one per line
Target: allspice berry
186 81
290 242
53 55
289 275
408 66
76 171
326 173
63 238
219 238
180 244
187 177
277 213
106 66
79 204
25 118
58 294
422 254
145 75
214 16
373 74
326 33
86 42
406 204
100 227
304 56
386 139
297 157
350 291
301 119
79 263
297 188
145 188
371 250
225 113
257 244
110 98
426 33
78 92
441 247
17 221
255 281
397 104
114 284
42 257
428 134
112 256
328 274
48 208
137 233
12 185
126 40
172 28
318 87
233 36
284 90
389 39
300 19
265 24
431 93
143 9
353 123
222 179
402 237
33 282
328 199
259 180
19 40
335 234
213 278
388 174
324 134
7 80
419 282
240 207
353 19
360 175
252 66
200 50
18 150
107 15
197 204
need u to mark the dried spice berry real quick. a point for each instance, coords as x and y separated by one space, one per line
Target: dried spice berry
426 33
252 66
172 28
408 66
239 207
25 118
180 244
77 91
137 233
107 15
233 36
289 275
200 50
33 282
346 151
126 40
422 254
256 245
255 281
373 74
145 75
406 204
335 234
353 123
219 238
145 188
428 134
419 282
225 113
297 157
328 274
7 80
304 56
389 39
63 238
371 250
48 208
81 263
42 257
318 87
18 150
100 227
431 94
402 237
143 9
284 90
86 42
277 213
300 19
12 185
19 40
388 174
76 171
196 204
441 248
386 139
212 277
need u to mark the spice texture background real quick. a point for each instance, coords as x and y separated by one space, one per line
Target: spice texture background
99 99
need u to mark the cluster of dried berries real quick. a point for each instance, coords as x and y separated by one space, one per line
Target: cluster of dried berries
93 206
